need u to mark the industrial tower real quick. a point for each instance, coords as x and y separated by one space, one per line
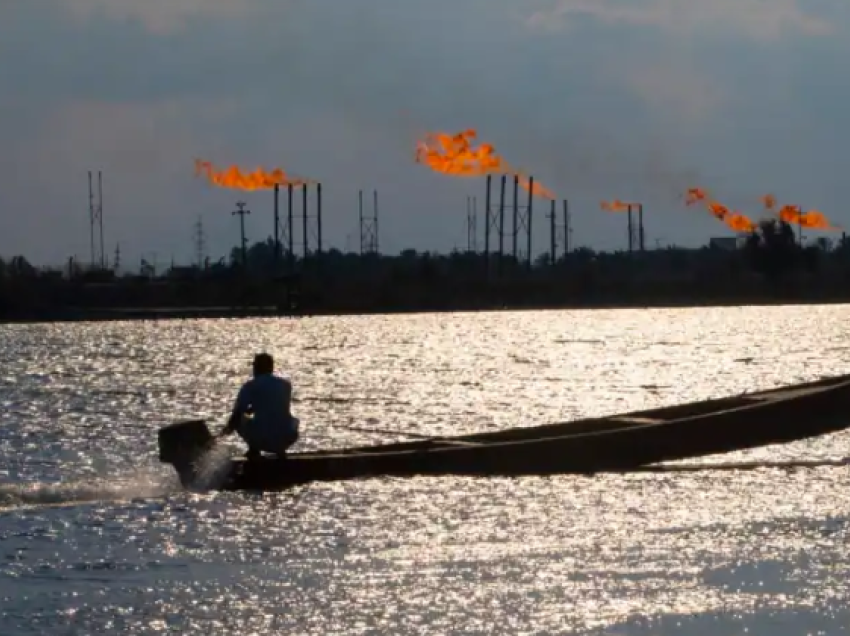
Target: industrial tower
98 256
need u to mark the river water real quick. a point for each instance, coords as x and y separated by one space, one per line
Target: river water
97 537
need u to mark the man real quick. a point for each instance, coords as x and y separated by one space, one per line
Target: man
262 414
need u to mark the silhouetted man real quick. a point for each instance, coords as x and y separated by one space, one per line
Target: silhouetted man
262 415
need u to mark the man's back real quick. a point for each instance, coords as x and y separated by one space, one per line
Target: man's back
269 397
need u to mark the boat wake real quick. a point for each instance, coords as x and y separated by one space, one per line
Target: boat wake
212 469
16 496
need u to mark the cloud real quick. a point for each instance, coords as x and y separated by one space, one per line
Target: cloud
759 19
160 17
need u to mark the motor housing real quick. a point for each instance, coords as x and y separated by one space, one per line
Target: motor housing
184 442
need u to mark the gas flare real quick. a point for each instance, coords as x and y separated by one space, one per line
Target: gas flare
733 219
793 215
234 177
695 195
616 205
455 155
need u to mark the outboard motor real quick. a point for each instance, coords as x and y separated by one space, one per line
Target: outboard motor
181 444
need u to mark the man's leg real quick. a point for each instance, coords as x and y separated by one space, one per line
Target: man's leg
287 439
244 432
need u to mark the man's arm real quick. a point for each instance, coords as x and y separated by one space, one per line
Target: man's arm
287 397
239 408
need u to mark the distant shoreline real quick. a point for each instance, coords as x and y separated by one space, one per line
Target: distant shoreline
769 269
117 314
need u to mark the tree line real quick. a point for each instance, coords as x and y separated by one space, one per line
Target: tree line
771 261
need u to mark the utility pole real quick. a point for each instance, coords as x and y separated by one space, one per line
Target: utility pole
241 211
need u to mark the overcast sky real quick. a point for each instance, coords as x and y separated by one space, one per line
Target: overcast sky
596 98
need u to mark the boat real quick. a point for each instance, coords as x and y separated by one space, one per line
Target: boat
615 443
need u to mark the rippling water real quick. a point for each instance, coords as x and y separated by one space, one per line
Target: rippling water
97 537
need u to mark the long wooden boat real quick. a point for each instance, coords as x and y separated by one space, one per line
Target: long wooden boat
616 443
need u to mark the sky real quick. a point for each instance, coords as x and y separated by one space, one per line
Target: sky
598 99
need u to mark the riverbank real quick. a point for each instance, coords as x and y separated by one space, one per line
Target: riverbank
101 314
349 284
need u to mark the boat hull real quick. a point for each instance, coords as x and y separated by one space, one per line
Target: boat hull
611 444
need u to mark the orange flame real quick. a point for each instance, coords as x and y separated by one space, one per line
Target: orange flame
739 223
695 195
734 220
793 215
812 219
769 201
455 155
233 177
616 205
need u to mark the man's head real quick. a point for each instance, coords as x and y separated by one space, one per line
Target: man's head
263 364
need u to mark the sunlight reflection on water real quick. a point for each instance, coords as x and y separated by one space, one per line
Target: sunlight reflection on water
98 537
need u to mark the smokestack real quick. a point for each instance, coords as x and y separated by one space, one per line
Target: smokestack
376 223
319 218
487 226
528 218
291 226
304 219
631 229
552 234
91 220
360 208
515 218
474 223
502 222
276 228
100 218
640 227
